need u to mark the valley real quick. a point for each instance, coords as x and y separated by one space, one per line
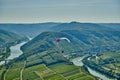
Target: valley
41 59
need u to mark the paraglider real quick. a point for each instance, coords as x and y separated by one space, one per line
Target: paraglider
63 38
60 39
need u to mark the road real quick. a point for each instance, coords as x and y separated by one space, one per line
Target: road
21 72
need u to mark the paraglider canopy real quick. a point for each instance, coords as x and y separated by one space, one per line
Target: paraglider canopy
62 38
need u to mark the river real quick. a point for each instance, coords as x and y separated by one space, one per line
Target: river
78 62
15 52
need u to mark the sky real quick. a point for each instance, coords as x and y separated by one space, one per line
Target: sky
38 11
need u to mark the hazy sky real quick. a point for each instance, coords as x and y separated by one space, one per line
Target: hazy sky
30 11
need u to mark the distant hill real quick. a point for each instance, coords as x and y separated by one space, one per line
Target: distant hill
80 26
36 28
8 37
115 26
28 29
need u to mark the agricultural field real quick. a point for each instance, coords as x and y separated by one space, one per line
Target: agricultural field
44 57
62 68
58 71
71 72
40 72
30 72
13 72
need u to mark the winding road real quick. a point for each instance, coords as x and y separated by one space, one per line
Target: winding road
21 72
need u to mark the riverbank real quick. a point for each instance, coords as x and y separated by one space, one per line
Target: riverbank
14 52
78 62
98 68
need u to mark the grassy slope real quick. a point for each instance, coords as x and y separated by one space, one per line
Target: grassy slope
30 73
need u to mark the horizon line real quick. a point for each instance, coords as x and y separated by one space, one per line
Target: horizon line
52 22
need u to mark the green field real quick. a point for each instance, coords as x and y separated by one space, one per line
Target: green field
30 72
58 71
71 72
63 68
44 57
13 73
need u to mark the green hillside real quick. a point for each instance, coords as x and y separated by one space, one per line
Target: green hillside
80 41
46 41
